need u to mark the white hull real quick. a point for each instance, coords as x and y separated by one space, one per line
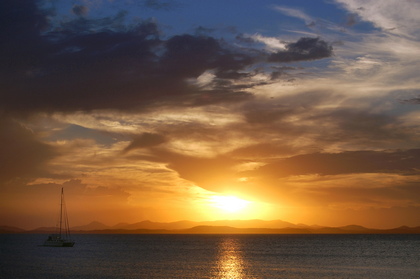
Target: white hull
55 240
61 243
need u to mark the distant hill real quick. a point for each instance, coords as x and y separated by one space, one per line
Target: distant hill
216 227
179 225
8 229
354 228
91 226
404 229
43 230
231 230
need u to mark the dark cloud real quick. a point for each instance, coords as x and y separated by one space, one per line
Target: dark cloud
21 20
82 71
209 97
414 101
352 19
190 56
80 10
21 154
282 72
244 39
269 114
361 126
398 192
346 126
107 69
350 162
203 31
145 140
219 174
105 63
159 5
303 50
86 26
214 174
263 151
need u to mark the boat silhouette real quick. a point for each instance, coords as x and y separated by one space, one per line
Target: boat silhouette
61 238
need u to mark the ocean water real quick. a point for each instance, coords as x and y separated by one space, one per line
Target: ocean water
213 256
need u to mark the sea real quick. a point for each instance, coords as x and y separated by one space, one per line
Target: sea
212 256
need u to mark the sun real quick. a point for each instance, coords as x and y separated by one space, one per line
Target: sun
229 204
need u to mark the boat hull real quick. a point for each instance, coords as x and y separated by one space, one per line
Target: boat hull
62 243
56 240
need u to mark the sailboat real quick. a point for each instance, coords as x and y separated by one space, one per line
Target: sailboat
62 237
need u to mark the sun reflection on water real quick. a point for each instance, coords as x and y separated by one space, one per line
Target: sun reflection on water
230 262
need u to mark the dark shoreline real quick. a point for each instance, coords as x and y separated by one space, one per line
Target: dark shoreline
224 230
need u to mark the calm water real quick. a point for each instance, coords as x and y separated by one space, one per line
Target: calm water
213 256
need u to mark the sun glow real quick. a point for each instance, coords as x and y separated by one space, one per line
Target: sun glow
229 203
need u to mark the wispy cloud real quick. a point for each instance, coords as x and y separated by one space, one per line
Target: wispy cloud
293 12
272 44
393 16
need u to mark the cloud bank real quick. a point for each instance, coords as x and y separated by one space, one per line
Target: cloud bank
315 117
87 64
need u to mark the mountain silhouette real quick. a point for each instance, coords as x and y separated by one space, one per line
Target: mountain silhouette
217 227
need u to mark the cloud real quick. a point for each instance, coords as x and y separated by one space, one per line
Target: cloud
80 10
350 162
356 180
295 13
361 127
117 102
113 70
401 194
351 19
393 16
21 20
214 174
272 44
264 150
23 156
190 56
88 64
303 50
159 5
145 140
325 120
414 101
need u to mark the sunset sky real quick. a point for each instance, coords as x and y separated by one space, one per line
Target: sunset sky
304 111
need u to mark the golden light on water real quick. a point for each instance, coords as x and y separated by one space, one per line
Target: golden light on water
230 262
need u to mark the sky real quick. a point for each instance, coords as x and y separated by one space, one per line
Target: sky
161 110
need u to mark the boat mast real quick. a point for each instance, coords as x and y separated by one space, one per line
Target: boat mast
61 209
